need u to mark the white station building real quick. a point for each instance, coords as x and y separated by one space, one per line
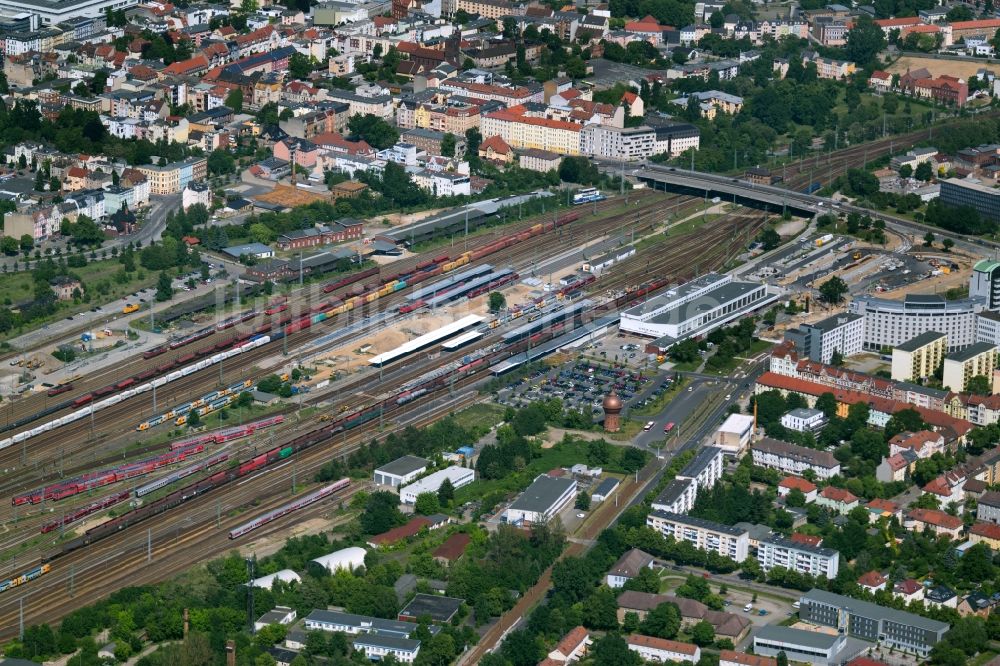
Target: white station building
695 308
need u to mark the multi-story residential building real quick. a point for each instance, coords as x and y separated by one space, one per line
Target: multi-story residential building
678 497
976 360
711 102
376 637
837 499
971 192
443 183
803 419
939 522
538 160
676 138
618 143
628 566
491 9
889 627
987 533
794 556
790 483
705 468
923 443
511 96
842 333
988 507
828 68
520 131
919 357
174 177
793 459
727 541
889 323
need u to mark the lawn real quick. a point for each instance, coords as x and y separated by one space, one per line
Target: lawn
481 416
98 276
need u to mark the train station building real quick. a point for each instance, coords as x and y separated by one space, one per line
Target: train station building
694 309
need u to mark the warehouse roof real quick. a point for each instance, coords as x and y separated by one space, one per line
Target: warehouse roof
403 466
542 494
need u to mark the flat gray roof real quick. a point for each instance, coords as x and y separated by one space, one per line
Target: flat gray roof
830 323
811 639
919 341
698 522
440 609
701 460
874 611
607 486
673 491
970 352
675 293
782 542
403 466
542 494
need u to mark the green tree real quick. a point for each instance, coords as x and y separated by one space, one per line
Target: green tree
164 287
703 634
220 162
299 66
446 493
979 385
833 290
612 650
664 621
377 132
836 359
795 498
9 246
769 239
381 512
582 501
947 244
27 242
497 301
782 658
929 239
905 171
427 504
234 100
261 233
193 419
864 41
924 172
906 420
448 145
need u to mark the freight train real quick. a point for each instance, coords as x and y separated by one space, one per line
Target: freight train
115 393
83 512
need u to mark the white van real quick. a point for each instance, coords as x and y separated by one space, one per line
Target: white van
748 608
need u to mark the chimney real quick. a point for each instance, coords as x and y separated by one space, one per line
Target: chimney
185 623
230 653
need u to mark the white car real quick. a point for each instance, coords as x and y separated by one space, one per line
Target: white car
748 608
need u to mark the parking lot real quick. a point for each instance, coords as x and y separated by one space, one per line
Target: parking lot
582 385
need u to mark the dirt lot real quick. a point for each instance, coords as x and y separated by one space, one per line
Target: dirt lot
962 70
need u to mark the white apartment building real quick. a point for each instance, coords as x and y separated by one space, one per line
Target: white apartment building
889 323
794 556
662 650
705 468
802 419
678 497
793 459
727 541
842 333
617 143
976 360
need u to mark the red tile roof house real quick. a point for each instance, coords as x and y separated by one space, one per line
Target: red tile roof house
733 658
872 581
572 647
938 522
879 508
908 590
662 650
452 549
794 482
837 499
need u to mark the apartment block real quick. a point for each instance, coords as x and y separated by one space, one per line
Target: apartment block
800 557
919 357
174 177
794 459
617 143
725 540
977 359
843 333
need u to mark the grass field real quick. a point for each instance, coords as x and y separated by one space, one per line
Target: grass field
481 417
959 68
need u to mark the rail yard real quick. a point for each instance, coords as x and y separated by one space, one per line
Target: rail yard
94 459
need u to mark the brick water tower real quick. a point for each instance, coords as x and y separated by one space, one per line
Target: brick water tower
612 412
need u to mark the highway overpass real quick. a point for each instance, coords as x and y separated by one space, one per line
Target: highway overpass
777 199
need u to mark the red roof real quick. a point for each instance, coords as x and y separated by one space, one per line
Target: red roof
807 539
909 587
838 495
188 66
936 518
453 547
986 530
745 659
925 29
571 641
382 21
630 97
792 482
897 22
871 579
402 532
975 25
879 74
865 661
883 505
498 145
662 644
510 116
